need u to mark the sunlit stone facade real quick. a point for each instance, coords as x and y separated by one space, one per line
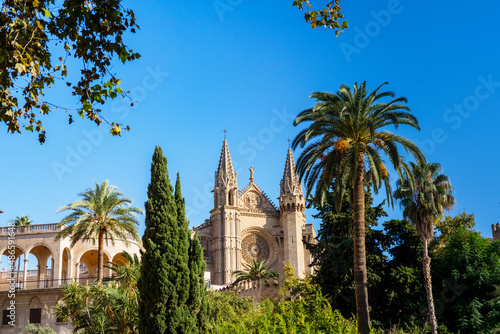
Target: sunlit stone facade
36 291
245 224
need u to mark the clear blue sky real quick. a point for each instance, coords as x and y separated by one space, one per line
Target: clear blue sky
250 68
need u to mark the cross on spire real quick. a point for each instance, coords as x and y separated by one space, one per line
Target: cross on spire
288 142
225 132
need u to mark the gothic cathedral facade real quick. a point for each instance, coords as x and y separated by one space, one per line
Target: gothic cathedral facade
245 225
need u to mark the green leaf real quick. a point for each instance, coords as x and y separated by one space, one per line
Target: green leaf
46 12
45 109
124 55
19 67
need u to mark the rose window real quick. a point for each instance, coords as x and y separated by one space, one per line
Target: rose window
254 247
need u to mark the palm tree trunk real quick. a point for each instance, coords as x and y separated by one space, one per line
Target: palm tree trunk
100 257
360 276
426 267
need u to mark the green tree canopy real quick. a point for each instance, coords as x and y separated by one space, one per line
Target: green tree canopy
38 40
402 284
448 225
467 275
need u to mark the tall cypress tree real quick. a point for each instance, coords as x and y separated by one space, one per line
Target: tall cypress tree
196 301
197 294
164 269
184 270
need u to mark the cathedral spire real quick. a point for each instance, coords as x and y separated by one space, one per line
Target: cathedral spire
225 177
290 184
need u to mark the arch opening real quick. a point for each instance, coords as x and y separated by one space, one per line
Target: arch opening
87 269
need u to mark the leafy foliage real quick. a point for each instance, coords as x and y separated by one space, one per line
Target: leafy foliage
89 31
226 309
126 273
103 213
449 225
302 309
106 307
306 312
393 264
330 16
402 282
467 273
99 308
34 329
255 270
333 253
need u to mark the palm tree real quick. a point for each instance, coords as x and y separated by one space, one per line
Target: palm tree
344 142
127 272
22 221
253 271
102 214
424 203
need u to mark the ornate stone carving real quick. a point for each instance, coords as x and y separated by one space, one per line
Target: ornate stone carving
253 200
254 247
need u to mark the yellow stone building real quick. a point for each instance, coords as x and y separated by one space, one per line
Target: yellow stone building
35 292
245 224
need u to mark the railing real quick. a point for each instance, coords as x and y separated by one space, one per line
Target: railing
7 274
30 229
7 286
41 228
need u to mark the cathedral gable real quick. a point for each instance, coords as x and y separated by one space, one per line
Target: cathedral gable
253 198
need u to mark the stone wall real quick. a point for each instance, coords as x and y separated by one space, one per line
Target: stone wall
256 289
44 299
495 229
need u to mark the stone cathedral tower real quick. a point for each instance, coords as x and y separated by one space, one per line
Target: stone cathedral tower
245 225
292 217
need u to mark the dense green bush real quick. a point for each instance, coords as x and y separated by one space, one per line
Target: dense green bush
467 277
302 309
34 329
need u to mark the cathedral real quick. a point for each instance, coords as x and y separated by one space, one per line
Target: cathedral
245 225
